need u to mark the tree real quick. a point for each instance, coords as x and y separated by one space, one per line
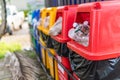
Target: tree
2 17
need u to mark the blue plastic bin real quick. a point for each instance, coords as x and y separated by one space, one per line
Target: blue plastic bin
35 20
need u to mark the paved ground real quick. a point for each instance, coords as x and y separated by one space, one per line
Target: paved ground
4 73
21 36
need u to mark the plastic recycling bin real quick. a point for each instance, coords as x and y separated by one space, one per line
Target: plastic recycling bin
32 37
99 60
104 30
45 54
40 27
45 59
43 15
45 39
38 47
42 39
43 51
33 31
35 20
53 64
51 13
67 13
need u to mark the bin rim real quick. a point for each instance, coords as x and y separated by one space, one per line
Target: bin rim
89 55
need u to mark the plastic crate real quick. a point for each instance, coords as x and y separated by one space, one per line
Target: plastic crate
104 41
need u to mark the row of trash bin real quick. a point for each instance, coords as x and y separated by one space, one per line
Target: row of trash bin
84 38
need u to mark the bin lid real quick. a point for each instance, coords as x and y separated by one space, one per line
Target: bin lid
68 14
104 34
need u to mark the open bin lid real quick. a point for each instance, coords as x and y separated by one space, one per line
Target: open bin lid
104 34
35 20
51 12
43 12
35 14
68 14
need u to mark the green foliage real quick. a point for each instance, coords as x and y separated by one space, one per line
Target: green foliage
26 12
4 47
31 54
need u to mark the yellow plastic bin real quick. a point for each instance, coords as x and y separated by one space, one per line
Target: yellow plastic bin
43 55
51 12
43 14
47 61
52 64
56 70
44 50
41 26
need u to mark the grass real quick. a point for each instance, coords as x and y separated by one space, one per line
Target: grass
4 47
31 54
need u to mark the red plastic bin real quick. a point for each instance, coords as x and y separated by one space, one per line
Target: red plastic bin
76 77
63 75
104 37
68 14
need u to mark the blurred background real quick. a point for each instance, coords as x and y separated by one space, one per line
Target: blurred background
17 34
19 14
26 4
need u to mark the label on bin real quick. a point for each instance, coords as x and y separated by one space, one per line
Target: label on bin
59 58
60 7
49 8
61 69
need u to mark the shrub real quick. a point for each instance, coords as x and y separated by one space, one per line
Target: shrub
4 47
